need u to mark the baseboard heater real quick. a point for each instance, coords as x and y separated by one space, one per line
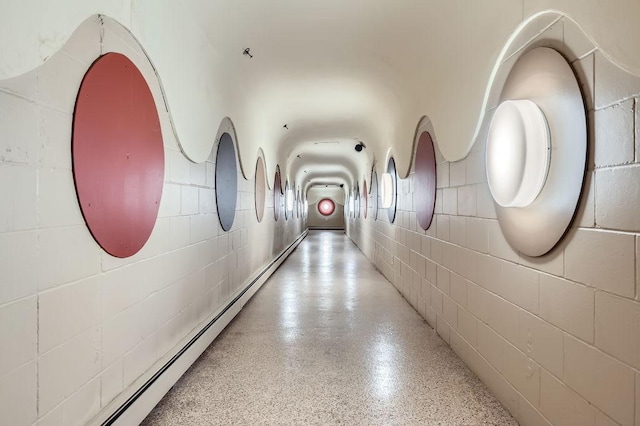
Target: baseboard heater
122 409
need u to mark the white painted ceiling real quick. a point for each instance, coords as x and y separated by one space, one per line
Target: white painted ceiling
337 71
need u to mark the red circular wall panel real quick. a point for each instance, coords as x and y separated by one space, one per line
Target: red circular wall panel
326 207
425 181
118 155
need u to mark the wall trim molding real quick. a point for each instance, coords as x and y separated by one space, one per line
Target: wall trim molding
326 228
147 393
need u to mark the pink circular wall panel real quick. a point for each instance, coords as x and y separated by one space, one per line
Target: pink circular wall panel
118 155
326 207
425 181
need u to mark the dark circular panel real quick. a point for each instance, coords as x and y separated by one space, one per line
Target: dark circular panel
391 169
374 194
260 189
326 207
118 155
277 194
425 181
226 181
365 198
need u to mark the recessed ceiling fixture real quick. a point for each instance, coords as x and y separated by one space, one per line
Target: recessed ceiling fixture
247 52
536 151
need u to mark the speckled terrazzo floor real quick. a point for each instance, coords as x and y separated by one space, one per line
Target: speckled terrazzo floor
328 340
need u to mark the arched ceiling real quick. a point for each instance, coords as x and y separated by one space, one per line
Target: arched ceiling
327 162
331 70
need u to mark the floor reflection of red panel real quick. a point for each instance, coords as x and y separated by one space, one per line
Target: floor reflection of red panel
425 181
118 155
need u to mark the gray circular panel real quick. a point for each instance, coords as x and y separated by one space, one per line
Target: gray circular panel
391 169
260 189
277 194
374 194
226 181
543 76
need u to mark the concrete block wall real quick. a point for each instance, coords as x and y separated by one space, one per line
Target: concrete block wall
78 327
556 338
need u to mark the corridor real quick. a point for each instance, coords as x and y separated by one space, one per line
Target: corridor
328 340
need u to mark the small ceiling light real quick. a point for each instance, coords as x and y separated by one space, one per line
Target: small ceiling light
386 190
518 153
247 52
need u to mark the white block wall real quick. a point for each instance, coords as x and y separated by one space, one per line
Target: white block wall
77 326
556 338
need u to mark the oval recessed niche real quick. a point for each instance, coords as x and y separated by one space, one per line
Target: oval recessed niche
118 155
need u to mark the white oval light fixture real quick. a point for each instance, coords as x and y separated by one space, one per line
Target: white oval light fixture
386 190
518 153
290 200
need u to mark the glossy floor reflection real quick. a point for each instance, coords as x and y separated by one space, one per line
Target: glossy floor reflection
328 340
